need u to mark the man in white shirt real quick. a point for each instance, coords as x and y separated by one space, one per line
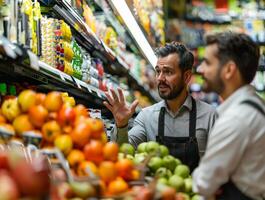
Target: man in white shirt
233 166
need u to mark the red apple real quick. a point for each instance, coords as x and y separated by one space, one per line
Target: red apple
8 189
33 179
4 160
66 116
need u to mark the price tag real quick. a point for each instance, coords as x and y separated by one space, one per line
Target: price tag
34 61
61 75
76 82
88 88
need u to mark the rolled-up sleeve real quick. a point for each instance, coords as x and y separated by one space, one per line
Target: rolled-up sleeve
135 136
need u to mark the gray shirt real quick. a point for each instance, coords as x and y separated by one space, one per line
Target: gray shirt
235 149
145 126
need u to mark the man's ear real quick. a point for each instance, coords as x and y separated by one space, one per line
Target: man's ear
229 70
187 76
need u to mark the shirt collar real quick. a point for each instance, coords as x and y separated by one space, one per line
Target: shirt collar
187 104
238 96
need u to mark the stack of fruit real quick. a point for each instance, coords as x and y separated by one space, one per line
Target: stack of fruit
54 119
168 170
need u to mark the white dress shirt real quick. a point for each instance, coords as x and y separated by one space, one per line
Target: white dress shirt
235 149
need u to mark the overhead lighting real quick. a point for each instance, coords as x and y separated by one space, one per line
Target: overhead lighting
129 20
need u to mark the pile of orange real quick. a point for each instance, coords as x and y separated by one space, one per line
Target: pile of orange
69 127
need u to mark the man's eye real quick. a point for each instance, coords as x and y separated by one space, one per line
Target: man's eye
167 72
158 72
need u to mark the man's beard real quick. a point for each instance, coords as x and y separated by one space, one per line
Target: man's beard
216 85
173 93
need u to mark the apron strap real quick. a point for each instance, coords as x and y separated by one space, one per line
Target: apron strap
192 122
193 119
161 124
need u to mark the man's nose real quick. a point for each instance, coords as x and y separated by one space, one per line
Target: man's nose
160 77
200 69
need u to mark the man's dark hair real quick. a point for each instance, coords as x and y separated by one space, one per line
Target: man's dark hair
239 48
186 58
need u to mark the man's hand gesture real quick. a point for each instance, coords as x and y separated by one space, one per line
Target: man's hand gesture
117 105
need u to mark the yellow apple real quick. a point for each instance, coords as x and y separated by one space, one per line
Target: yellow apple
10 109
26 99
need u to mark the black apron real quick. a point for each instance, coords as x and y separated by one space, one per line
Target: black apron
184 148
229 190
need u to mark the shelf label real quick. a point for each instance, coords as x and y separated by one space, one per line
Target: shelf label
61 75
88 88
76 82
34 61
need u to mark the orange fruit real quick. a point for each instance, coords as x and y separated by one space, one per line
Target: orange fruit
110 151
66 116
22 124
107 171
50 130
81 170
81 110
94 151
104 138
2 119
97 127
125 168
53 101
40 98
38 115
135 174
53 116
75 157
81 134
117 186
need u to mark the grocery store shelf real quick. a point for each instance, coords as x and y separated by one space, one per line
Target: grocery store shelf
89 41
134 29
20 65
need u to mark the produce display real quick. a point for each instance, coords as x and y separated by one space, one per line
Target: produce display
87 165
167 170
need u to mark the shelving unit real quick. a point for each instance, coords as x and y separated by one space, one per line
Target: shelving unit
89 41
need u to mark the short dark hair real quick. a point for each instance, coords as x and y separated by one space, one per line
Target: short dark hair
238 47
186 58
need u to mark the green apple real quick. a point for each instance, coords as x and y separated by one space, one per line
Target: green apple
169 162
155 163
141 148
152 147
195 197
163 150
139 158
178 161
176 182
182 170
83 189
121 156
130 157
188 185
127 148
163 172
163 180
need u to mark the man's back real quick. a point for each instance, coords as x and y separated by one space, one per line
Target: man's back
237 140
